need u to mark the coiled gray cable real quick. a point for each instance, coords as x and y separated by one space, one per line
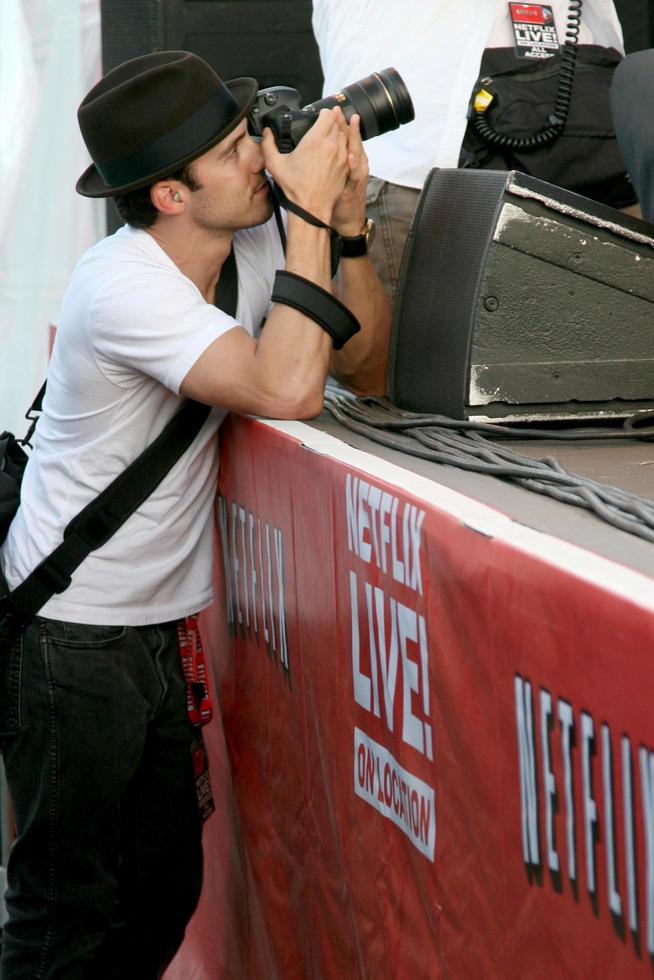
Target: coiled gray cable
463 444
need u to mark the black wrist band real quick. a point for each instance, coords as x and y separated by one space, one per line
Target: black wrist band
315 302
335 240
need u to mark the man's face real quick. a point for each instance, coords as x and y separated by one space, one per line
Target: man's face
232 190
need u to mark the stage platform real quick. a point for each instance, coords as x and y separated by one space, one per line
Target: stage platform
627 464
435 756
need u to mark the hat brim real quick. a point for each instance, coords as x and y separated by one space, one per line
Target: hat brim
244 90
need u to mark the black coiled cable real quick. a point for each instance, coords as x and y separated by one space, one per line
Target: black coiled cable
557 120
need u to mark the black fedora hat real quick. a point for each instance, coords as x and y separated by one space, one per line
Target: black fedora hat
154 114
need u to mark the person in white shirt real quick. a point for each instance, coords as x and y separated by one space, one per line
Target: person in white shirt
437 48
97 740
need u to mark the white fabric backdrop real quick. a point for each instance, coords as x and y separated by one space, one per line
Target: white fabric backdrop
49 58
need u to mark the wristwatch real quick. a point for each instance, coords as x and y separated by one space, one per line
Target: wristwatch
361 244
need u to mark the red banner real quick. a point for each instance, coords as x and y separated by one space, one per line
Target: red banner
440 733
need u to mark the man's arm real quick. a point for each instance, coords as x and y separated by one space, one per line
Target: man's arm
361 364
283 374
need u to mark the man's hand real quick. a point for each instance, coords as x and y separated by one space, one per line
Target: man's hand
314 174
348 216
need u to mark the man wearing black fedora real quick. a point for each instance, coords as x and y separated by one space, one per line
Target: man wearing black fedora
106 867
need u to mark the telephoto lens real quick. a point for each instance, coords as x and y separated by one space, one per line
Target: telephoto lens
381 100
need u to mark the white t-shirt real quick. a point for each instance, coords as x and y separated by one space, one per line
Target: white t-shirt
131 327
436 45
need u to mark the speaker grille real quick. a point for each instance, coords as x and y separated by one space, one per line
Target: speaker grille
129 29
434 310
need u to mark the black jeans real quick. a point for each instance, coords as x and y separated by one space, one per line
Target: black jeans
106 868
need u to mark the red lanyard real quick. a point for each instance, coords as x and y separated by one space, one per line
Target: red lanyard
194 666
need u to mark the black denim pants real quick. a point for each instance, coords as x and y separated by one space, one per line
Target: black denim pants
106 867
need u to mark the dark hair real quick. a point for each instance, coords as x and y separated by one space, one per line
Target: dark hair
136 208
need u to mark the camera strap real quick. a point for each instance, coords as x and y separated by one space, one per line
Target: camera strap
335 240
102 517
279 220
226 294
106 513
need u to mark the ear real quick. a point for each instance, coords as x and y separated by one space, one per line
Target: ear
167 197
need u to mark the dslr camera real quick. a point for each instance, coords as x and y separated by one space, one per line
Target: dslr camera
382 101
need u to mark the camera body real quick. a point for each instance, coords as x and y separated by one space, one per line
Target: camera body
381 100
279 108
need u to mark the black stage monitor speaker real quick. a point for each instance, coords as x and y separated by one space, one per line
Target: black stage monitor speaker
518 300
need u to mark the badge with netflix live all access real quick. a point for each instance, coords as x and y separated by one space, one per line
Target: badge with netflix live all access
534 30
